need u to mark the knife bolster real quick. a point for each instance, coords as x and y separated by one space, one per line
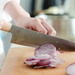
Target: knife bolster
6 26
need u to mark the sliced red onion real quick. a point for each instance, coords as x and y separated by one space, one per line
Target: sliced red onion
53 64
71 69
32 62
45 49
44 56
60 60
41 57
43 63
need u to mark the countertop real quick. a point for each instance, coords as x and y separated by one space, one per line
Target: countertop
13 64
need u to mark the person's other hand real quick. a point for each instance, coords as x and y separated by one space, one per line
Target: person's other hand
35 24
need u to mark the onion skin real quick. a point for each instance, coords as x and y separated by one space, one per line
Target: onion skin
71 69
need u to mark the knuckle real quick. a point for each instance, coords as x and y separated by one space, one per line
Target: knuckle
55 32
36 20
42 19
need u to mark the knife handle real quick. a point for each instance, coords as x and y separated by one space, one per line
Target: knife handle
6 26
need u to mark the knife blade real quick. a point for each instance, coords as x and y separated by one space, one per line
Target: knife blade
32 38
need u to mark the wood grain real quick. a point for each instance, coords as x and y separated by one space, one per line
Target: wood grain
16 56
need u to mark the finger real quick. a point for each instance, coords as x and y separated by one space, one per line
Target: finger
48 27
54 33
37 26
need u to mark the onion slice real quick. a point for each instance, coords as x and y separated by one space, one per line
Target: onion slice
45 49
45 56
71 69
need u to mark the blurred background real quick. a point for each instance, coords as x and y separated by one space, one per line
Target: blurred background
58 13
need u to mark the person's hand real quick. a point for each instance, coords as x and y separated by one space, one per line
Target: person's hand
1 22
23 19
35 24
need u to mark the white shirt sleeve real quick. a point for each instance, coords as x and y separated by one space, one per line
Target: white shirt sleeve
4 16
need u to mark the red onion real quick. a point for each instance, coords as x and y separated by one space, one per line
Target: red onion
45 56
71 69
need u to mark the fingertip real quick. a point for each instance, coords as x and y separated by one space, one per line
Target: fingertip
54 33
44 31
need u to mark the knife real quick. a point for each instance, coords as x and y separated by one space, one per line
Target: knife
35 39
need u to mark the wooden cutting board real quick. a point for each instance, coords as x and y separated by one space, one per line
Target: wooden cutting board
13 64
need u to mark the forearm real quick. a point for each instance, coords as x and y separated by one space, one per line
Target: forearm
15 10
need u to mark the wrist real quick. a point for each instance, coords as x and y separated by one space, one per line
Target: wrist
20 18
